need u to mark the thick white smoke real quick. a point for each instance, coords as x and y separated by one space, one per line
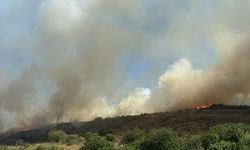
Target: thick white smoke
78 58
135 103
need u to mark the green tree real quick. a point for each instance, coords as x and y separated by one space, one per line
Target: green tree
191 142
57 136
160 139
132 135
95 142
229 132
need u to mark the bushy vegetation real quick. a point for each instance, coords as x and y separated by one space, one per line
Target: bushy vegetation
110 137
95 142
230 132
132 136
61 137
190 142
57 136
221 137
73 139
244 142
160 139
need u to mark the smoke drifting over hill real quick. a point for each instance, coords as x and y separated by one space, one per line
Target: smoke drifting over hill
78 50
227 80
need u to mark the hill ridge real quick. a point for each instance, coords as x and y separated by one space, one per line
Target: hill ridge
184 120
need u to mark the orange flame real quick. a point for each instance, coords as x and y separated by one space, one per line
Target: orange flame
202 107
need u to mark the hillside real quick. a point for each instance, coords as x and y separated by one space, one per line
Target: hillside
188 121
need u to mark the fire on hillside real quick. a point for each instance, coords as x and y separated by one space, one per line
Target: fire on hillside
202 106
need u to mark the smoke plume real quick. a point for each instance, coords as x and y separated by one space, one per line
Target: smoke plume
184 87
79 59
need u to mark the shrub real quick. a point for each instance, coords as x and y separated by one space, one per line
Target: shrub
57 136
72 139
160 139
244 142
132 135
94 142
223 145
131 146
105 131
111 137
229 132
191 142
209 139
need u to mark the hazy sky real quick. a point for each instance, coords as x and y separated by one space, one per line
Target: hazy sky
155 19
103 56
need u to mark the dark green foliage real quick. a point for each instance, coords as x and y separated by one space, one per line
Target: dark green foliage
104 131
94 142
160 139
224 145
72 139
132 146
244 143
209 139
57 136
110 137
226 136
221 137
229 132
62 137
132 135
191 143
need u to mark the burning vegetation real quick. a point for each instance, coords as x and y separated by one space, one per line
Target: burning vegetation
203 106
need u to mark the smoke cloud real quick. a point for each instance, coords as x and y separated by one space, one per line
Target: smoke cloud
183 86
89 58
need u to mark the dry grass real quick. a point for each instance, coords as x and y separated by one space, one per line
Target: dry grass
64 146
